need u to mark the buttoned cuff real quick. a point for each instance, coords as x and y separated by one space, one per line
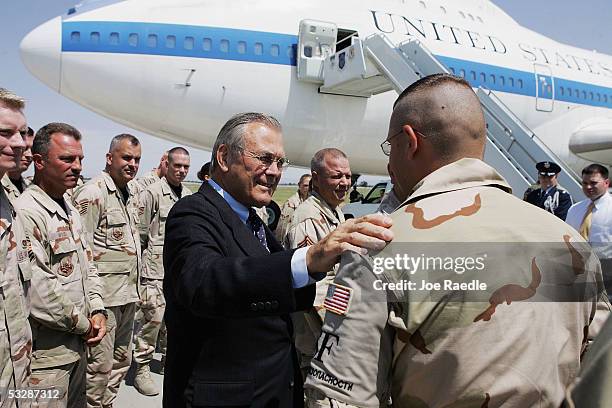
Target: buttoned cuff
82 325
299 269
96 303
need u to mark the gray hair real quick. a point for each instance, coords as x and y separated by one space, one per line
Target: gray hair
10 100
318 160
119 138
232 133
43 136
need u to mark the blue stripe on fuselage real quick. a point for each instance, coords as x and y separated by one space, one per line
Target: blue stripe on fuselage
275 48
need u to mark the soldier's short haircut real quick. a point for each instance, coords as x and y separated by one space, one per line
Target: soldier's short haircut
444 109
595 169
232 133
303 177
119 138
10 100
176 150
318 160
43 136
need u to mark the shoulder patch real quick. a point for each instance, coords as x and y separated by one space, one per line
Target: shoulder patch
82 206
338 299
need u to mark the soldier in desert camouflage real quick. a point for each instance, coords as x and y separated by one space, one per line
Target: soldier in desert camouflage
110 219
431 348
67 309
316 217
138 185
13 181
15 269
290 205
155 203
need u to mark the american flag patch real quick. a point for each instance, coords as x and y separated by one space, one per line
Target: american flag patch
338 299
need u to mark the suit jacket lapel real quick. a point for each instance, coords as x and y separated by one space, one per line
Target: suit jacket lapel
241 233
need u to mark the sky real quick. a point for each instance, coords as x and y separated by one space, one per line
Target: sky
584 24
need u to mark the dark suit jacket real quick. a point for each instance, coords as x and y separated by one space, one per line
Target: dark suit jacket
227 310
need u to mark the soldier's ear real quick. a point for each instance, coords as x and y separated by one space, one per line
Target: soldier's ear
109 159
38 161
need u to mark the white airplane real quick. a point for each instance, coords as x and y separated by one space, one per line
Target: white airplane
178 69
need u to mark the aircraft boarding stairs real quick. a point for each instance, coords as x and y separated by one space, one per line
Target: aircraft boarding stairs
374 65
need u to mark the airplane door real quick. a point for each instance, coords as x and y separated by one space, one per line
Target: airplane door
545 88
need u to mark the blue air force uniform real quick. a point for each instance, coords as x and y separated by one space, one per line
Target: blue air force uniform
554 199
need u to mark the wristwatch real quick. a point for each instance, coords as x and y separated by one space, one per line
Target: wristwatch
101 311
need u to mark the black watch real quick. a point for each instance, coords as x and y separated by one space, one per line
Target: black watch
101 311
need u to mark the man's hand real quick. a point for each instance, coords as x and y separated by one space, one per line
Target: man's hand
358 235
97 331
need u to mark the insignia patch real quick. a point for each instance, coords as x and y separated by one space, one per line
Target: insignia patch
66 267
141 210
338 299
83 206
118 233
22 256
305 242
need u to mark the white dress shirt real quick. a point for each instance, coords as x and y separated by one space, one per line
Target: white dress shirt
299 269
600 235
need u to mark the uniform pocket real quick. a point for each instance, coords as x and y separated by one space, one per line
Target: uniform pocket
64 260
115 227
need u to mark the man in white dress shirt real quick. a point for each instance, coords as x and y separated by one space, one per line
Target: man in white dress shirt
593 217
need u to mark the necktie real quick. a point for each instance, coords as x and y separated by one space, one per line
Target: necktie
585 227
256 225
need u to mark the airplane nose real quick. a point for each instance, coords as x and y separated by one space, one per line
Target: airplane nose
41 52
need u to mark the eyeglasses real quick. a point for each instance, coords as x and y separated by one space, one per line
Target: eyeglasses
386 145
268 159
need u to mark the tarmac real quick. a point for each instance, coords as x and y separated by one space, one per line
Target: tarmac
130 398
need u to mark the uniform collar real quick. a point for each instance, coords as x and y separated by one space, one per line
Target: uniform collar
47 202
110 184
333 214
7 212
166 189
458 175
240 209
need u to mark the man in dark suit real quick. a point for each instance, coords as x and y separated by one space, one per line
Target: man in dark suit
229 285
550 196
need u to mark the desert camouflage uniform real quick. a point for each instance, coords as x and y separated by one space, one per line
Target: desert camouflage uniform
65 290
287 211
155 203
112 232
138 185
68 194
311 222
15 288
11 189
437 349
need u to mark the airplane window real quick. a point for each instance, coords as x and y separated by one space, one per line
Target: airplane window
290 51
452 70
443 10
133 39
473 74
591 95
94 37
605 98
75 36
207 44
308 51
511 82
598 97
152 41
224 46
462 14
520 83
492 79
502 80
258 49
562 90
275 50
471 17
241 47
114 39
462 73
422 3
483 77
584 95
479 19
188 43
170 41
